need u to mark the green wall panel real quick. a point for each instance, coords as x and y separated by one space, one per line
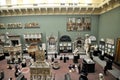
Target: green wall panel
109 24
49 24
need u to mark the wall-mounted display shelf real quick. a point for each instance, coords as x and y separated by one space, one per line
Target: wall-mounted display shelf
14 25
32 25
2 26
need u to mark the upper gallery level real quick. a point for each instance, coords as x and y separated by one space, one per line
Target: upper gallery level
56 7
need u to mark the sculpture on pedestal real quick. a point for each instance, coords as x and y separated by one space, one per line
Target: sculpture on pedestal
87 44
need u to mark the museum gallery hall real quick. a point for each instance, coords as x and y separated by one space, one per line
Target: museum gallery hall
59 39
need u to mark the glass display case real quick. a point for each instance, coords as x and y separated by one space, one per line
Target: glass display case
109 48
102 49
52 45
102 46
78 44
65 44
32 37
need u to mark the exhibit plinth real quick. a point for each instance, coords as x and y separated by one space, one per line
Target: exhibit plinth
40 70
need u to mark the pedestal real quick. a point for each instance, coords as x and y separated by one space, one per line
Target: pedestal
90 65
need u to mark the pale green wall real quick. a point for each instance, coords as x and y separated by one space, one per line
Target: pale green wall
49 24
106 25
109 24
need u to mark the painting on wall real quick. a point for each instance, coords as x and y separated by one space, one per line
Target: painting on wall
79 24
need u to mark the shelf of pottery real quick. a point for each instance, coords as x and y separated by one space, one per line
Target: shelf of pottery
2 26
14 25
18 25
32 25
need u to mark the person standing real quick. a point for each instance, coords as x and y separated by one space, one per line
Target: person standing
2 75
79 69
105 70
10 78
64 58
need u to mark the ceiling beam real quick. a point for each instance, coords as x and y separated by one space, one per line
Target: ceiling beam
33 9
40 9
7 10
59 9
79 10
93 9
66 10
108 3
46 9
86 8
73 9
19 10
105 6
13 10
53 10
1 11
26 9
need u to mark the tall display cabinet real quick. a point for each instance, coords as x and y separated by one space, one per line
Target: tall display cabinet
78 45
102 46
14 48
102 49
107 48
52 45
117 55
110 48
65 44
31 41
